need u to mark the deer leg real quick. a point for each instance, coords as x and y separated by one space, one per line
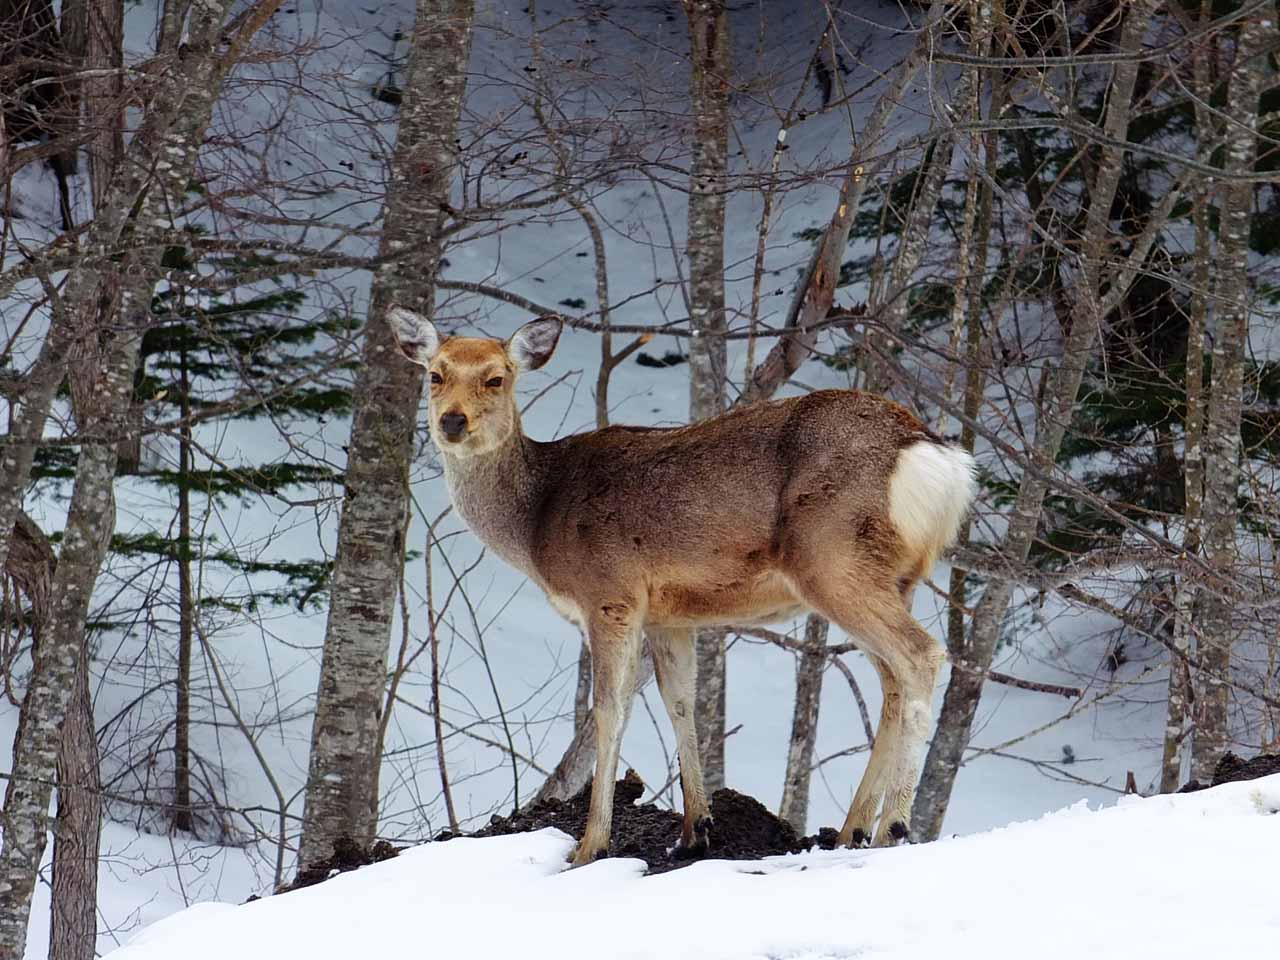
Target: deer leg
874 613
917 665
676 665
614 634
858 825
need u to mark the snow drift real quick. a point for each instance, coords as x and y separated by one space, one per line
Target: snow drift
1170 876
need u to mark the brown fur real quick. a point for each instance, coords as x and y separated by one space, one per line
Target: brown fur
756 515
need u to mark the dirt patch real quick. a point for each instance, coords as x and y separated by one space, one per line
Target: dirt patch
347 855
743 828
1232 769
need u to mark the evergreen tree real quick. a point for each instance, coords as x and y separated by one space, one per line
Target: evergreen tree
234 358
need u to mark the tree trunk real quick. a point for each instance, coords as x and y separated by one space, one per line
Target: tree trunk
1178 712
57 660
794 807
1222 428
709 94
73 932
1062 383
102 394
182 809
103 96
342 783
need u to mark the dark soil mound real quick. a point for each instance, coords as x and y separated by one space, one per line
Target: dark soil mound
347 855
1231 769
742 830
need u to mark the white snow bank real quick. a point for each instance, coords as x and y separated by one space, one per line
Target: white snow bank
1184 876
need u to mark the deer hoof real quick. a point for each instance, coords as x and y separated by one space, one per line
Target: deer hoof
585 854
857 839
695 846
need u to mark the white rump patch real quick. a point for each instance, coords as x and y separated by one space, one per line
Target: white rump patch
930 492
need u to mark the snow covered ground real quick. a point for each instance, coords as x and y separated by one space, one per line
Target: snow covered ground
1174 876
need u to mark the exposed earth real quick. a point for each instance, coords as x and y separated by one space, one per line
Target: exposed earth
743 828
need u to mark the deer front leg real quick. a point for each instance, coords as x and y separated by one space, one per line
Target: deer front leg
614 634
676 665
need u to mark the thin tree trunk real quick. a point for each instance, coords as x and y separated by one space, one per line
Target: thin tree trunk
73 932
104 95
709 93
45 708
342 783
969 667
1222 428
708 171
972 284
816 292
912 242
1178 713
794 807
104 385
182 816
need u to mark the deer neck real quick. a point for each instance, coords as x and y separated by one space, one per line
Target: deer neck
497 493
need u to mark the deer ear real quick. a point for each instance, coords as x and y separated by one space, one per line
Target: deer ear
415 334
532 345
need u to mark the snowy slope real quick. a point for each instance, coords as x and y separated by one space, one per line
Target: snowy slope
1183 876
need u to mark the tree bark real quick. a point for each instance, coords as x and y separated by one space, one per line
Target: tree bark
342 783
182 808
1178 711
708 381
794 807
1222 427
73 932
970 665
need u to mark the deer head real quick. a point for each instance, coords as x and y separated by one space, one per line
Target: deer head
472 404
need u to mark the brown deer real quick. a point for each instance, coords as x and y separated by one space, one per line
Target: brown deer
836 502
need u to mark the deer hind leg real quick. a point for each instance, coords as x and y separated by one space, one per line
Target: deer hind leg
857 829
908 660
921 661
676 665
613 630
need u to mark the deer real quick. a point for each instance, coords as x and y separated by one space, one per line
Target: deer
836 502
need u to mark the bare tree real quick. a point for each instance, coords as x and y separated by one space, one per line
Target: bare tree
709 94
1097 293
1222 423
342 783
794 806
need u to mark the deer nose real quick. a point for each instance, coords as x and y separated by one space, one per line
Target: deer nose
453 426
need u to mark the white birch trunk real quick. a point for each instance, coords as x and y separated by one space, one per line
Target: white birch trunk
1211 735
342 783
709 92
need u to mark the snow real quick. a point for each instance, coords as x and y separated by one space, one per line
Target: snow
1172 876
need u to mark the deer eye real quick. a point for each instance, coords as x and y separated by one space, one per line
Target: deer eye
436 378
493 382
